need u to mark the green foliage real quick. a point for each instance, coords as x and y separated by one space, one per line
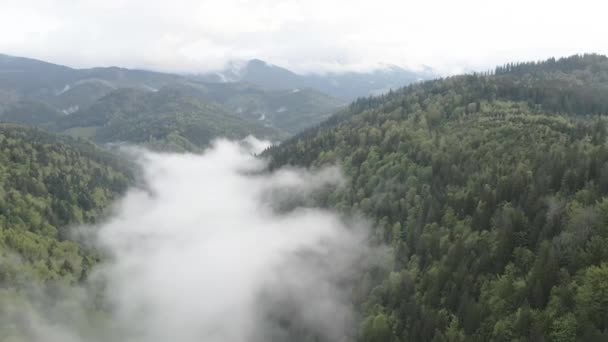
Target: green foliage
491 190
137 106
30 113
48 183
169 119
291 110
592 296
376 329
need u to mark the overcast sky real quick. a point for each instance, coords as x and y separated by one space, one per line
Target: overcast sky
307 35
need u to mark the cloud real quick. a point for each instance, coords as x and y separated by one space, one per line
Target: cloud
314 35
203 251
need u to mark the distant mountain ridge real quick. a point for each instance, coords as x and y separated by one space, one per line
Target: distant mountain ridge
81 101
167 119
347 85
63 87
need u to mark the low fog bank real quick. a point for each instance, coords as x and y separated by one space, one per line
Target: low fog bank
213 249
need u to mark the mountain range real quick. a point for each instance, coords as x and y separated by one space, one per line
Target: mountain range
99 103
491 192
486 195
344 85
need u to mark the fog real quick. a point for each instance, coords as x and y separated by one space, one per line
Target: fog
212 248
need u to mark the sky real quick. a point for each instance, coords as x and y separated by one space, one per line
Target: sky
302 35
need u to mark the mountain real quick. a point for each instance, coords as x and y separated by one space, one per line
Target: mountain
490 191
168 119
37 93
47 184
347 86
487 194
66 88
288 110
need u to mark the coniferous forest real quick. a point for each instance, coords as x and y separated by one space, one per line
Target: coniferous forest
48 185
491 190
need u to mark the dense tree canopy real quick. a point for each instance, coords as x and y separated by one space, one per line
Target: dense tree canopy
162 111
492 192
170 118
47 184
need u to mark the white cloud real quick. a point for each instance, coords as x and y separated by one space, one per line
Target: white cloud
312 35
211 249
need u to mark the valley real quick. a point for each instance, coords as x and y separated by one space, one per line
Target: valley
479 202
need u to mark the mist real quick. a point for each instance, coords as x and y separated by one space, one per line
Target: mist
212 247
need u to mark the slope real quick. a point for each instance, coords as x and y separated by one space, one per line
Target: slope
37 93
291 111
166 119
346 86
33 80
491 191
48 183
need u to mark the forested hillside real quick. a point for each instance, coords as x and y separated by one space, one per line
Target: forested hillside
291 110
168 119
57 97
47 184
492 192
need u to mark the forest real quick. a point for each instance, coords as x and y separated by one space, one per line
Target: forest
48 183
163 111
169 119
491 190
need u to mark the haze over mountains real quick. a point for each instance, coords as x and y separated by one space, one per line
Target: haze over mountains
482 199
294 171
344 85
100 103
